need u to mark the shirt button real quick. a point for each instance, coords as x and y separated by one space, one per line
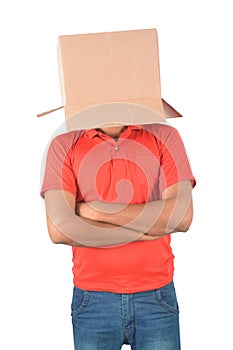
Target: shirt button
116 148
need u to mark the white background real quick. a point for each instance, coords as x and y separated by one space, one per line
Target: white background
196 58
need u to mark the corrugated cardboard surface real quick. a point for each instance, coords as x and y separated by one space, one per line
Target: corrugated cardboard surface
111 67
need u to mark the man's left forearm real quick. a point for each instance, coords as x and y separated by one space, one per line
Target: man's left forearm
155 218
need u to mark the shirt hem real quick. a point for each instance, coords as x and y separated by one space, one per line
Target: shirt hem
124 290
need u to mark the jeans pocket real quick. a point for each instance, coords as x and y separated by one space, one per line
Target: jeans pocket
79 301
166 297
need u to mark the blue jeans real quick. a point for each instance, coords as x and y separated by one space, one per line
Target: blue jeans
145 320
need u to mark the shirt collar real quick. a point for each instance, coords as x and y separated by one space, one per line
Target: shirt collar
93 132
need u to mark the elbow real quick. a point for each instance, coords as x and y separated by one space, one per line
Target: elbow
184 228
187 219
55 235
56 238
185 223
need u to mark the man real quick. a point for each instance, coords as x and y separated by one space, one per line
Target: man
115 194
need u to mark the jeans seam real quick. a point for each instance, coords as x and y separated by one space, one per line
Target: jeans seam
134 327
122 317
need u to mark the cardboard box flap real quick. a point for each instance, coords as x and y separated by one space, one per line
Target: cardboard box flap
169 111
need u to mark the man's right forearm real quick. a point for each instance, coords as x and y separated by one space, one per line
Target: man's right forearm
66 227
94 241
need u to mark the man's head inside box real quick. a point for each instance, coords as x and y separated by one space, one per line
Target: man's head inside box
111 78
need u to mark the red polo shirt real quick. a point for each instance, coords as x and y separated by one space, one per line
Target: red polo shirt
136 168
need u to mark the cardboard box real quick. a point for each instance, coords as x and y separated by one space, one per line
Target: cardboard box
111 78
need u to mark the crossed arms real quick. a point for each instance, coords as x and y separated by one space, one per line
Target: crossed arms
100 224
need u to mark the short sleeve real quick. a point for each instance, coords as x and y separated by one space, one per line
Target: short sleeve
175 166
59 174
